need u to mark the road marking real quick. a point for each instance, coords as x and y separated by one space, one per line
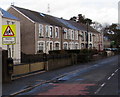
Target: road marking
100 88
112 74
109 78
116 70
103 84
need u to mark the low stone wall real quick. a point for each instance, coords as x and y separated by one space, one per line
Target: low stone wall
27 68
52 64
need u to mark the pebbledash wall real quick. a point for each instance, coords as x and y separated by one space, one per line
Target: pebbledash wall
9 19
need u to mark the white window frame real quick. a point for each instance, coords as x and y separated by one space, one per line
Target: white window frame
82 46
64 44
49 45
41 30
47 31
69 34
83 36
77 45
65 33
55 45
51 32
76 35
39 47
72 34
56 36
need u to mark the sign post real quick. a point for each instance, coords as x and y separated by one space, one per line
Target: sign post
8 36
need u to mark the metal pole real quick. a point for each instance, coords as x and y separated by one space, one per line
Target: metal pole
9 50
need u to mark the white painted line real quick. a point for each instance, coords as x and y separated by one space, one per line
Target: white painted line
103 84
116 70
109 78
99 88
112 74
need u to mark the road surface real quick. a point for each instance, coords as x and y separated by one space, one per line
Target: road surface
96 79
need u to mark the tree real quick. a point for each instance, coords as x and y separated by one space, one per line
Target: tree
97 26
113 34
81 19
73 18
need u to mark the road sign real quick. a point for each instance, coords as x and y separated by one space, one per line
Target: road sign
8 40
8 34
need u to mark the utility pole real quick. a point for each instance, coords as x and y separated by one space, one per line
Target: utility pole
48 10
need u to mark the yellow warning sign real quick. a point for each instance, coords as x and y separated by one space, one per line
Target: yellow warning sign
9 31
8 34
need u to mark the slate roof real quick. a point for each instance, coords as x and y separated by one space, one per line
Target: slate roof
48 19
8 15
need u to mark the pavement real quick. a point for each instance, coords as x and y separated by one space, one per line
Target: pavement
35 80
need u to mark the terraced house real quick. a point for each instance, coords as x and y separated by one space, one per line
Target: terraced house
14 50
41 33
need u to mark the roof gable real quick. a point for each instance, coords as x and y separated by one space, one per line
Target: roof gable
8 15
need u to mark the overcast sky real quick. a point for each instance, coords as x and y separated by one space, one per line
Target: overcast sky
103 11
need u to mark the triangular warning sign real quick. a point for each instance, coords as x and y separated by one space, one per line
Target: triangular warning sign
8 32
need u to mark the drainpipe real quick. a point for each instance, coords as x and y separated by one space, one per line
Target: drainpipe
35 38
61 38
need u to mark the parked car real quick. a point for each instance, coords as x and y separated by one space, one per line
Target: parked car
111 49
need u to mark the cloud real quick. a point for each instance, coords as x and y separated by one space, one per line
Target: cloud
97 10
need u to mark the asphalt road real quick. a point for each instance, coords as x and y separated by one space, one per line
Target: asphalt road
97 79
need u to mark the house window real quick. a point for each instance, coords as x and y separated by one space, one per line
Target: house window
47 31
90 46
82 36
13 23
51 32
65 46
76 35
51 46
82 45
57 46
65 33
76 46
56 32
40 30
8 22
40 47
72 37
69 34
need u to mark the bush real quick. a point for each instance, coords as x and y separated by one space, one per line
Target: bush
89 51
64 52
57 52
72 51
82 58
